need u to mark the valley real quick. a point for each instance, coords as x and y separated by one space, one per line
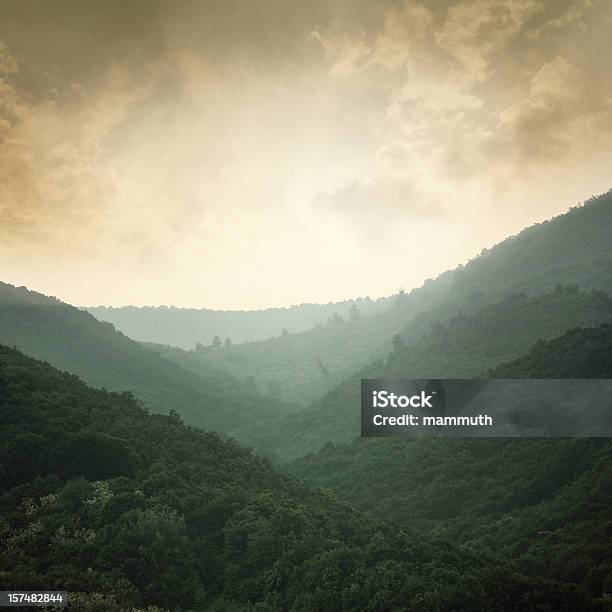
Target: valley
112 472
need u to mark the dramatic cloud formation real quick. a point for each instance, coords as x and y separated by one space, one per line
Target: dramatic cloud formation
248 154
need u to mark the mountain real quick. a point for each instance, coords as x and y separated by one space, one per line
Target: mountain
299 368
126 510
467 344
579 353
73 340
130 509
544 503
184 327
571 249
463 346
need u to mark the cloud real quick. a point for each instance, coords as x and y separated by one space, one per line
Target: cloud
176 136
481 84
474 32
560 115
56 185
404 28
375 206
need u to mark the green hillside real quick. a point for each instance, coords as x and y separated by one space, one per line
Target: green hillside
464 346
579 353
73 340
299 368
544 503
571 249
127 509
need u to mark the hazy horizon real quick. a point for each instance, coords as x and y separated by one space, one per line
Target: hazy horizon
341 299
281 306
240 156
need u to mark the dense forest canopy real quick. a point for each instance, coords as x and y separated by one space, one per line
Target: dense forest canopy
544 503
129 509
251 212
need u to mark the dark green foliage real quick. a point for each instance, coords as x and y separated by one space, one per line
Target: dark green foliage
94 456
544 503
185 520
580 353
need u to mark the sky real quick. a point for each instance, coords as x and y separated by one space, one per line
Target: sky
258 153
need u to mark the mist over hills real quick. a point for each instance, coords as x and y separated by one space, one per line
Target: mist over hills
160 161
249 389
462 346
91 480
571 249
543 503
73 340
299 368
184 327
470 319
231 388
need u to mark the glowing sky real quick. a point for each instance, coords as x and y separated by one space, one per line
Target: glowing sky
268 152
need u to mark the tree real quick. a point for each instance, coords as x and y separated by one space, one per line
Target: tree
354 313
284 332
228 343
398 346
216 343
335 319
401 297
93 455
151 547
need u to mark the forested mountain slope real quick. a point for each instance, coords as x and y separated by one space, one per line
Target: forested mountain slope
299 368
128 509
464 346
73 340
571 249
579 353
545 503
184 327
